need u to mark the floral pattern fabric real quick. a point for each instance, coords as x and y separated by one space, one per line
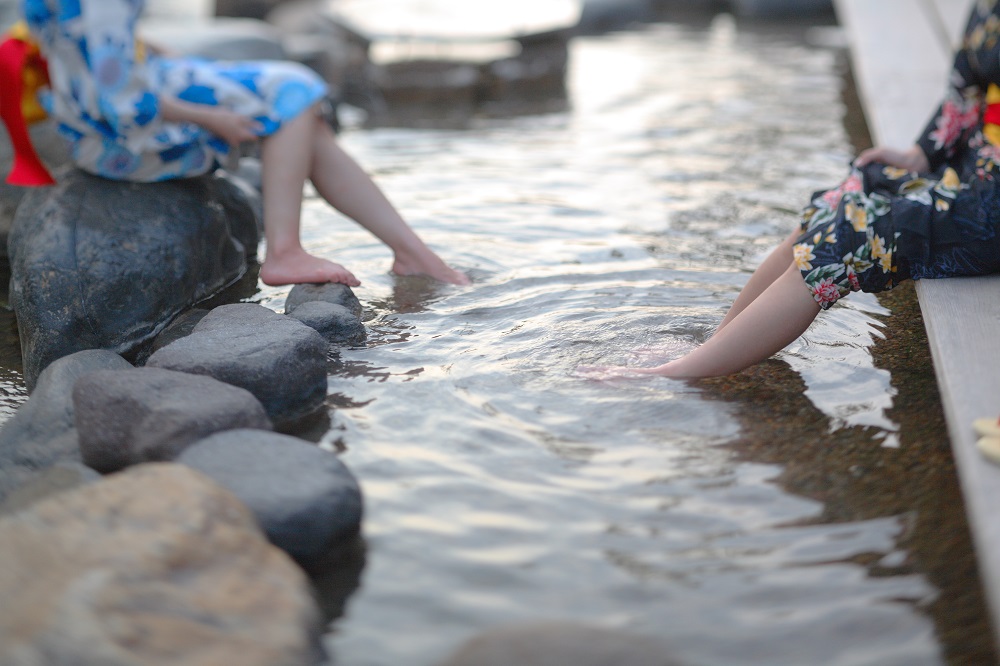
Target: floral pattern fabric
105 92
883 225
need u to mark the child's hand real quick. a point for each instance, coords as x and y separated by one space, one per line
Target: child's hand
911 160
234 128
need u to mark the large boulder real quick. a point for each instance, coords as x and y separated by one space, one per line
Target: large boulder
102 264
42 432
155 565
127 417
305 499
281 361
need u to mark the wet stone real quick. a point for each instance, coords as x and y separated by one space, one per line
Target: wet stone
305 499
338 294
148 414
561 643
102 264
154 565
43 432
55 479
281 361
334 322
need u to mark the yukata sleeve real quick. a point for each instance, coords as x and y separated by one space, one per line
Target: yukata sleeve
126 103
959 112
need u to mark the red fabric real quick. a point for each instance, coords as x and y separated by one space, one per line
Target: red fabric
992 114
28 168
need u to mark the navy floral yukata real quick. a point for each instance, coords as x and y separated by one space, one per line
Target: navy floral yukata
883 225
105 92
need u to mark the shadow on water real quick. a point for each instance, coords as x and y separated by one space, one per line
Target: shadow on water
856 478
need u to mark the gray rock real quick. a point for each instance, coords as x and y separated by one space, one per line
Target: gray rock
305 498
561 644
181 327
338 294
127 417
60 477
101 264
42 432
236 38
334 322
278 359
155 565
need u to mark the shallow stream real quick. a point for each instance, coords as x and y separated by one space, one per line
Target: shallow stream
742 521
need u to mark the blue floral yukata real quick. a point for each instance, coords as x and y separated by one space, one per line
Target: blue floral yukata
105 92
884 224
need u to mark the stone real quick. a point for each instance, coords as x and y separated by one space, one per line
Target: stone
257 9
102 264
42 432
305 499
560 644
334 322
127 417
155 565
315 36
181 327
55 479
231 38
281 361
338 294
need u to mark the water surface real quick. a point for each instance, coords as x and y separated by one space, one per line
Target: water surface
763 519
503 487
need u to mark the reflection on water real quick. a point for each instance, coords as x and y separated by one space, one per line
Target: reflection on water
787 515
752 520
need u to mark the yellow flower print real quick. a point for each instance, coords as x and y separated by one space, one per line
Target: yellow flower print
880 252
950 179
878 247
894 173
803 255
857 215
885 262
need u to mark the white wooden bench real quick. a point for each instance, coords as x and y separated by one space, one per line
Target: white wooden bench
901 53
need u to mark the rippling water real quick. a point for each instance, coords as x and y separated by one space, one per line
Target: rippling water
502 487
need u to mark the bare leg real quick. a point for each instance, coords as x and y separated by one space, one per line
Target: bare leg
286 157
342 182
765 274
764 327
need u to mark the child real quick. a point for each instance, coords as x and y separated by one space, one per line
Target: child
931 211
138 116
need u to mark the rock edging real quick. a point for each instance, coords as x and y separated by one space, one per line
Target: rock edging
95 407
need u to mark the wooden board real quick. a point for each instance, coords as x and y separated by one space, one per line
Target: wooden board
901 52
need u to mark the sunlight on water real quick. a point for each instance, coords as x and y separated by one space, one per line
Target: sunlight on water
503 484
504 481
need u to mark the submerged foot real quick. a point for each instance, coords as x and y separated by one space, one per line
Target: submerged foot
304 268
431 266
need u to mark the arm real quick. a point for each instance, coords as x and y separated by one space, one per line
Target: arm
233 127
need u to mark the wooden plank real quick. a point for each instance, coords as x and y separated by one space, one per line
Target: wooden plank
962 317
889 48
953 15
899 92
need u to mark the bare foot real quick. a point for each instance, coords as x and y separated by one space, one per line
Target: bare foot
431 266
304 268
